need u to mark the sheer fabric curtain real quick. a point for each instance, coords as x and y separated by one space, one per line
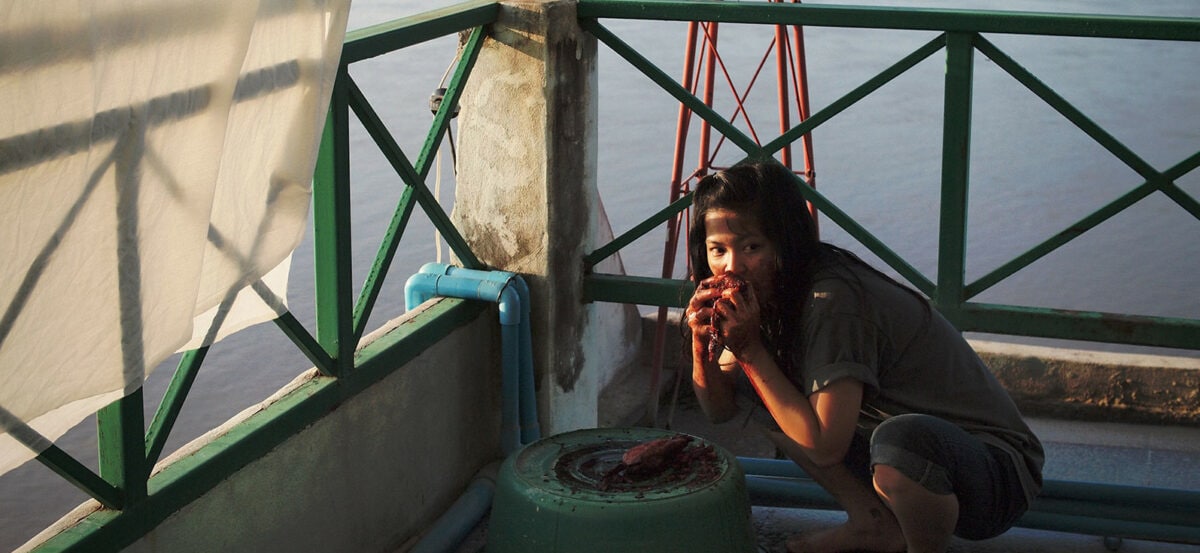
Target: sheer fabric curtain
156 159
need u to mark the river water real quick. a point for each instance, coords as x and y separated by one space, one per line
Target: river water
1033 174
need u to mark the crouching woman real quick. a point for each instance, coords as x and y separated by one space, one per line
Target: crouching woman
857 378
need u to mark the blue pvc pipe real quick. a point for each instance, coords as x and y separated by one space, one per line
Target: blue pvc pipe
462 517
501 288
1076 507
527 403
771 467
530 429
770 491
519 424
510 425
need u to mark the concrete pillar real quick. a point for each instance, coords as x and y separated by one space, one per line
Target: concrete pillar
526 198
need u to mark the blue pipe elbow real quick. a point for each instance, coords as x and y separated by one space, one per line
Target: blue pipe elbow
511 293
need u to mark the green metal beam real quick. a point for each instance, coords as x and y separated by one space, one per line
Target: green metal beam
972 21
1077 325
172 403
386 37
81 477
306 343
831 210
956 164
668 84
1187 202
639 230
1062 106
441 123
399 221
122 447
331 232
1054 242
383 260
860 92
413 178
637 290
866 238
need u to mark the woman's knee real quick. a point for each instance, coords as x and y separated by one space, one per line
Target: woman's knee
897 488
890 481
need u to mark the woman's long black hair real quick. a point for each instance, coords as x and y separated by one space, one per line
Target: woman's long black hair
770 193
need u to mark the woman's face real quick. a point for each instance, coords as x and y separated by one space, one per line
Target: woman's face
735 242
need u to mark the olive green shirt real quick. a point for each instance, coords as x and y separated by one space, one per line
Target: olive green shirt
910 360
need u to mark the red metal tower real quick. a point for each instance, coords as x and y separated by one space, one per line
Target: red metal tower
702 55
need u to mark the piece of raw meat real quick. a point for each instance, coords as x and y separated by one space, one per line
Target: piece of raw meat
651 457
727 281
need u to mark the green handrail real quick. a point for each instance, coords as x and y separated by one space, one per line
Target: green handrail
913 19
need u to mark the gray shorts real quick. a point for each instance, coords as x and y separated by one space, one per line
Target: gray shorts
945 459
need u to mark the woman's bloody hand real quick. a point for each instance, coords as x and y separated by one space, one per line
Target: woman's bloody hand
726 285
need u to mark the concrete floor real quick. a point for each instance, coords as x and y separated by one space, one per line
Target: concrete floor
775 525
1156 456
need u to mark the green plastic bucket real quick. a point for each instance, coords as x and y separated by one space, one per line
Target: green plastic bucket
557 495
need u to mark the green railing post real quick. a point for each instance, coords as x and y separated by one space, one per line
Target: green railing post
120 425
331 232
956 166
122 447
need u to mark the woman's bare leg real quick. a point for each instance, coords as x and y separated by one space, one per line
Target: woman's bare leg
927 519
870 525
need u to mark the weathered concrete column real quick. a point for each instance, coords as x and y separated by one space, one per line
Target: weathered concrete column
526 198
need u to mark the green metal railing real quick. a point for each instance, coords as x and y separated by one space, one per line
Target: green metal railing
961 35
1101 509
137 502
340 323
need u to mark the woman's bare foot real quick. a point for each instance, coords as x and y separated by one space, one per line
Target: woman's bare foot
882 535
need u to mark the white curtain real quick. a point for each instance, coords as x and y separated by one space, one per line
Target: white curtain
156 158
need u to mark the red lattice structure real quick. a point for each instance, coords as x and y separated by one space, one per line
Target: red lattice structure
702 63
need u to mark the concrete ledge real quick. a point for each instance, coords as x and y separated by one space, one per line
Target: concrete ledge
1088 385
1065 384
